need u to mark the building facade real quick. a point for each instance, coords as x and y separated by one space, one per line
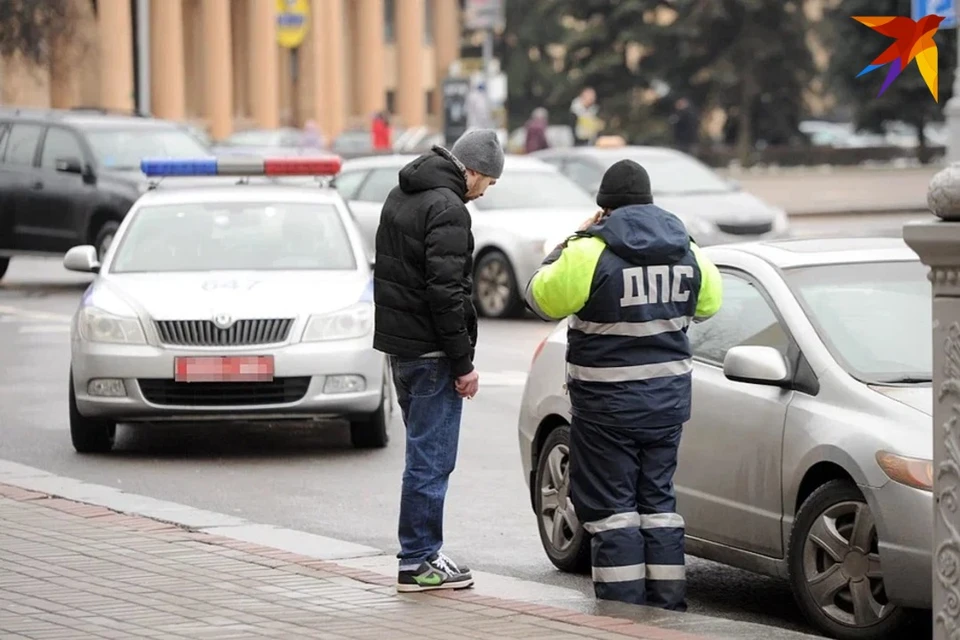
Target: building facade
220 63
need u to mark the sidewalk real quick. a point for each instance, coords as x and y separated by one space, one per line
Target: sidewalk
75 570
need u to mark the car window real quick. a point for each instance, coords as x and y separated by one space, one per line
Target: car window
532 189
585 174
59 144
252 236
122 149
22 144
745 318
378 185
675 174
347 183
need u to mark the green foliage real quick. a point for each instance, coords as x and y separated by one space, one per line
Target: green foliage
855 45
28 27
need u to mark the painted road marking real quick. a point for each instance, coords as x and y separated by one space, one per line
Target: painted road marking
44 328
30 314
503 378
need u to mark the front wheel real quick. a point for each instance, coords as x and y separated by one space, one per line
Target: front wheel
565 542
89 435
495 287
4 265
835 570
371 432
104 237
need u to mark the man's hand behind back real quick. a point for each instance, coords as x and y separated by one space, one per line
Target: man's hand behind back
467 385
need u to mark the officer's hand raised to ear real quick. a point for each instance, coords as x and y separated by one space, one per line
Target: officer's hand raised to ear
592 220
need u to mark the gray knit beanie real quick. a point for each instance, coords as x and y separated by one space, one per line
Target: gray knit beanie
480 151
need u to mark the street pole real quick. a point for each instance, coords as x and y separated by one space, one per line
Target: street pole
143 56
487 72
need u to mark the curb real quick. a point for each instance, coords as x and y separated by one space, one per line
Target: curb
880 211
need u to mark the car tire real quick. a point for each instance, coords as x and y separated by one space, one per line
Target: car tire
104 237
550 496
823 531
89 435
4 265
372 431
495 290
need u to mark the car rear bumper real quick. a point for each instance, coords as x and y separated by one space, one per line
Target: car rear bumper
304 386
904 518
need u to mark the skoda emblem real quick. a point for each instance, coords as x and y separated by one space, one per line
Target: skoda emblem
222 320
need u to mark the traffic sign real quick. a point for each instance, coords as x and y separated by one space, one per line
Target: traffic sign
292 22
455 91
945 8
484 15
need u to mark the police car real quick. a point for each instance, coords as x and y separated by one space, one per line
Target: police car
228 295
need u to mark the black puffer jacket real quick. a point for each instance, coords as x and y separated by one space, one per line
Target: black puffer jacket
423 285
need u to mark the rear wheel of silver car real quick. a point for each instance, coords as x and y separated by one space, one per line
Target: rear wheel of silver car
495 287
89 435
371 432
564 540
835 566
4 264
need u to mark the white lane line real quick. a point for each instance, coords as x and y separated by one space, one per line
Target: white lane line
44 328
503 378
30 314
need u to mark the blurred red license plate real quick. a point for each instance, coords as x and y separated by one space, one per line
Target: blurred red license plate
224 369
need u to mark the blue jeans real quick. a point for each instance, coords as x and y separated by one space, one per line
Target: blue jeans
431 410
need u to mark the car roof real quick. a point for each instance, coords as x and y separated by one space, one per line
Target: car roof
85 118
788 254
612 153
511 162
240 193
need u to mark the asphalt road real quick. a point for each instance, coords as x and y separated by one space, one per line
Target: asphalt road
312 479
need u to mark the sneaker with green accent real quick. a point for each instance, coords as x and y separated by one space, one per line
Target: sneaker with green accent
439 572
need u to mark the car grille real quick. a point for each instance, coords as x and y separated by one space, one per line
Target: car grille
204 333
220 394
756 229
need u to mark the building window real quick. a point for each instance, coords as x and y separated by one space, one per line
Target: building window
428 23
391 102
430 105
389 19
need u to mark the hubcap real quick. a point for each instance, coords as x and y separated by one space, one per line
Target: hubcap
493 287
558 519
841 566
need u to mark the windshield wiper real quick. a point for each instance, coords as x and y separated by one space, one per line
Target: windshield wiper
906 380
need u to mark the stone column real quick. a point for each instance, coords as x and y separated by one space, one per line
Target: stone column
938 245
115 23
371 57
217 67
167 93
411 98
329 92
264 81
446 43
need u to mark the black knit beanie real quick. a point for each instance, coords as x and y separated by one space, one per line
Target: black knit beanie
624 183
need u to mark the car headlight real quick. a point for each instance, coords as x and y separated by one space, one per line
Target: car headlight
353 322
97 325
913 472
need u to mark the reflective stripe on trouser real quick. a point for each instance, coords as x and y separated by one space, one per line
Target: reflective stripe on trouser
663 551
616 553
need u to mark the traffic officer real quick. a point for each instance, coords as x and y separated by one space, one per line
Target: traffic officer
631 281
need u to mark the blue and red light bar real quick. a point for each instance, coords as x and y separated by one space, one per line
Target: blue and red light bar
240 166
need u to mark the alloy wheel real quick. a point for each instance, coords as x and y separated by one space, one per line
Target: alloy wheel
493 287
841 566
556 509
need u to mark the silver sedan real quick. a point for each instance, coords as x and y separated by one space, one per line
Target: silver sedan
808 454
515 224
228 303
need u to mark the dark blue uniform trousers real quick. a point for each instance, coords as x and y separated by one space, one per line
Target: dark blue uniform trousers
621 484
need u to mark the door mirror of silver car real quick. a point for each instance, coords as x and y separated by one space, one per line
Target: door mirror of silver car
82 258
756 365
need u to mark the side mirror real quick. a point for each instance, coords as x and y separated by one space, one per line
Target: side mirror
82 258
69 165
756 365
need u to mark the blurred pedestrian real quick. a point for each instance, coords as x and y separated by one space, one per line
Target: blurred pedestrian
631 280
686 126
479 110
587 123
536 130
380 131
312 136
426 323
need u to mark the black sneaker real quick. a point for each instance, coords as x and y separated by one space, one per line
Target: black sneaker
439 572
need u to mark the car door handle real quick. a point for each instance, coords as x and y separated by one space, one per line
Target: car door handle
38 184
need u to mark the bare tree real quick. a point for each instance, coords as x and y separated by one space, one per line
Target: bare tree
30 27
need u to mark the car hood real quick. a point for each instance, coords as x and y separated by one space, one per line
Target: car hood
919 397
734 207
535 224
200 296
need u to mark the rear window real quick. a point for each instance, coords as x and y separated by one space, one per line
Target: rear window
122 149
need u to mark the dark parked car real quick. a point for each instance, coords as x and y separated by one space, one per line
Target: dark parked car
69 177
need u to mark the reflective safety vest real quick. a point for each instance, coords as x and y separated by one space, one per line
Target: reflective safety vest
631 286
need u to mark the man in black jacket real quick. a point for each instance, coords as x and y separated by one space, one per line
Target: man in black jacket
427 325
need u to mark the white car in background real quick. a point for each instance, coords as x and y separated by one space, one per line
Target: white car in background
516 223
245 302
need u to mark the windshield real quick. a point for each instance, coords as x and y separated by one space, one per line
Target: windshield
124 148
875 318
534 190
677 175
243 236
